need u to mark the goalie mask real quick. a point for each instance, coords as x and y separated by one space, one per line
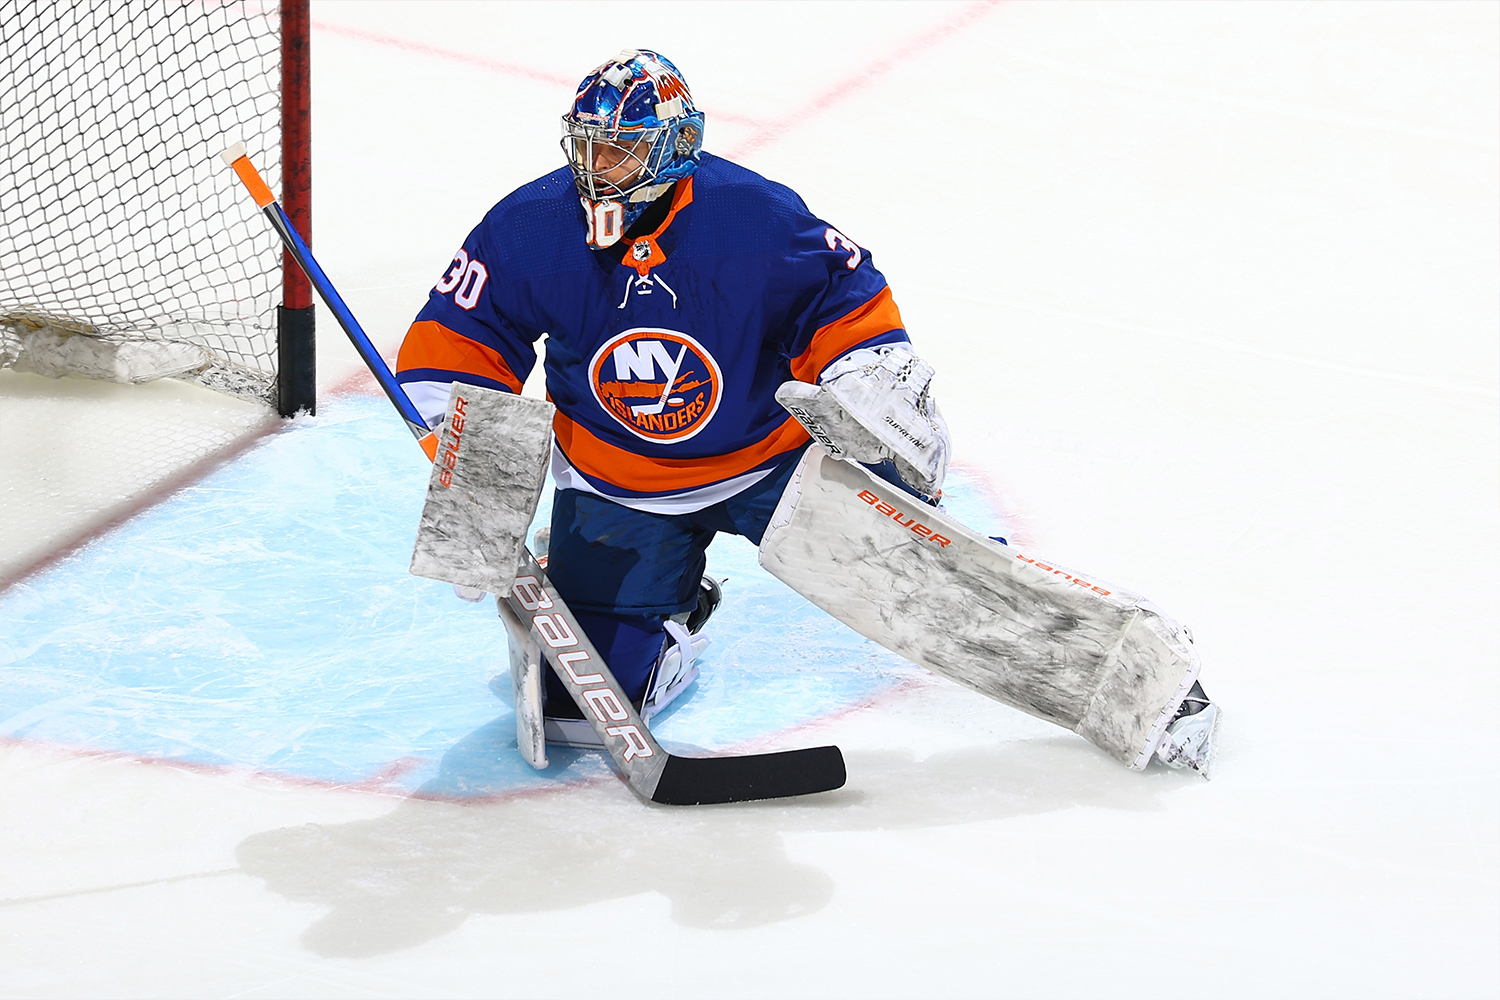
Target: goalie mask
632 132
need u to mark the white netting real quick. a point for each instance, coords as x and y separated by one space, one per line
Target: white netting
127 246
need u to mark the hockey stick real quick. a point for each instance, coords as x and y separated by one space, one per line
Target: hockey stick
650 770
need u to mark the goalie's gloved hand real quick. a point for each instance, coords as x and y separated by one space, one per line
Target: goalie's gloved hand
887 470
874 405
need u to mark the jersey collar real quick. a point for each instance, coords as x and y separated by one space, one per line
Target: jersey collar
644 252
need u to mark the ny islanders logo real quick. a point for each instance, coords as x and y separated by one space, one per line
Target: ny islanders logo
661 385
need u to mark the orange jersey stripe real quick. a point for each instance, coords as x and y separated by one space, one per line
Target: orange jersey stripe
602 460
430 344
877 316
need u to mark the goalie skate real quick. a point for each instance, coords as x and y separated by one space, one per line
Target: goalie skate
672 676
710 595
1192 738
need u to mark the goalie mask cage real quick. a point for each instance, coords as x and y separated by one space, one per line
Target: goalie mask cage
128 253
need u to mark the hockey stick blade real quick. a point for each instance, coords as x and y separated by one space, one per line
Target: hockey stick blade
701 781
650 769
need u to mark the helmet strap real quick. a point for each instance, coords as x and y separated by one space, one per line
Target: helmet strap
651 192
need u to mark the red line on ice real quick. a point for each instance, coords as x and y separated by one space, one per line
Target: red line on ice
766 133
109 520
483 62
452 55
868 73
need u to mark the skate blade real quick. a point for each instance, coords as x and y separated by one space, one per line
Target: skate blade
571 733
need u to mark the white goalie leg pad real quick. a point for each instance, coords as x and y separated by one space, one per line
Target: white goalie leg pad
1094 659
489 472
526 681
874 404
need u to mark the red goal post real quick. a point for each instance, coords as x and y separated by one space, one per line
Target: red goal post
129 256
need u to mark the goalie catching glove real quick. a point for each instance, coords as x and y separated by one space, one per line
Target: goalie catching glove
873 406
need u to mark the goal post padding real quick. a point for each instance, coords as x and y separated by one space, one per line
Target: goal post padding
129 256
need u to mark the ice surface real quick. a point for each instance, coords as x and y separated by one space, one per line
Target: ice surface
1213 294
77 453
264 619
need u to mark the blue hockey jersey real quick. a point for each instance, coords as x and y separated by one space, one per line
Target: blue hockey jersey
662 362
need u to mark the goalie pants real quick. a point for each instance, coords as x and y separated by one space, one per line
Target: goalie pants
624 571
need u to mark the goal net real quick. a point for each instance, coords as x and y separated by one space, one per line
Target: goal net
128 252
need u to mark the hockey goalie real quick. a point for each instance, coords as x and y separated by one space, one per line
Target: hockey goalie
722 360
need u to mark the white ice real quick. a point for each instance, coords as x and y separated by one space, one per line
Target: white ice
1212 293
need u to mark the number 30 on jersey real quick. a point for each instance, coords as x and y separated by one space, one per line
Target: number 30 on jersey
465 278
837 240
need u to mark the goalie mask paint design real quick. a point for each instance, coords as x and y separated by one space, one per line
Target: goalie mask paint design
660 385
632 131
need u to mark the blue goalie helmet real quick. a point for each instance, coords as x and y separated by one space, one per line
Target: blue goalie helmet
632 132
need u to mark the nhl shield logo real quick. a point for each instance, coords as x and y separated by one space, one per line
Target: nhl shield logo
660 385
641 250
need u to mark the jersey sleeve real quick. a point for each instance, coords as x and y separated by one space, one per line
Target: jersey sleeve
463 333
849 304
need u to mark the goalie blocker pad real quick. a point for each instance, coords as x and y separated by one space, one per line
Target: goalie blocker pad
488 475
1094 659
